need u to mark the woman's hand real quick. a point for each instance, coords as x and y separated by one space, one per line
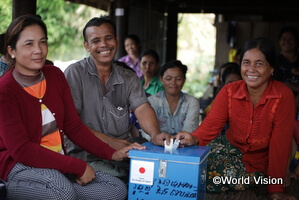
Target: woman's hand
88 176
159 139
186 139
123 153
281 196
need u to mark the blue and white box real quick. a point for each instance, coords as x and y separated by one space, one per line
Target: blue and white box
156 174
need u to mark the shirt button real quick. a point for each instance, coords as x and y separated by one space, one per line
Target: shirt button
60 131
251 122
53 113
40 100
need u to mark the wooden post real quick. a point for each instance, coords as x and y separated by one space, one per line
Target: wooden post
172 29
121 19
22 7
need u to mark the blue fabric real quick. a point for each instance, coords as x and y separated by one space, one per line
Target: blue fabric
3 67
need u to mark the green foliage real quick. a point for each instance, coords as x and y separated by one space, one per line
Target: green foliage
196 49
65 22
65 39
6 14
197 79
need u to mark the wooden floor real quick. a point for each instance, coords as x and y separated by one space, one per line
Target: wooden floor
253 194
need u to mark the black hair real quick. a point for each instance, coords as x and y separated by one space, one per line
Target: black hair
136 39
231 69
290 29
133 37
98 21
173 64
224 66
263 44
14 30
18 25
150 52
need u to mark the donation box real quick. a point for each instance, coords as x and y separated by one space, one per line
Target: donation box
156 174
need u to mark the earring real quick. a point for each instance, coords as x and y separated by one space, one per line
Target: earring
13 57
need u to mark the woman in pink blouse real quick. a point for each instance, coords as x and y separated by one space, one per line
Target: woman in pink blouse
133 49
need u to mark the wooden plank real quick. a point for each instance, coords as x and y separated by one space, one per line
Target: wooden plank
21 7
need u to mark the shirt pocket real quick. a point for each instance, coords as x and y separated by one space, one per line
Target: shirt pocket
118 121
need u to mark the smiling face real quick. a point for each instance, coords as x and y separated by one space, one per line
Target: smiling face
255 69
288 42
173 81
31 50
101 43
131 47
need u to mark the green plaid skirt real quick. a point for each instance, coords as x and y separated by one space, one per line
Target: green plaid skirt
225 170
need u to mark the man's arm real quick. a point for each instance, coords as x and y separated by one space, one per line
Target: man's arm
149 123
114 143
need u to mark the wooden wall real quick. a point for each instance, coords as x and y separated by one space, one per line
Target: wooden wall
246 30
148 22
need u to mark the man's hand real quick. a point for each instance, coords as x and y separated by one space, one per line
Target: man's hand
117 144
148 122
123 153
88 176
113 142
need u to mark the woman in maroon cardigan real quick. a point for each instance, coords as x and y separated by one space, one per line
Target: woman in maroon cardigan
261 114
36 110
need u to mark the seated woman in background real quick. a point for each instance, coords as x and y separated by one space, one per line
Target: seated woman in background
132 47
230 73
36 111
261 113
176 111
150 65
223 67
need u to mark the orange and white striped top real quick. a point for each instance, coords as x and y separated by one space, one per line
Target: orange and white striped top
36 86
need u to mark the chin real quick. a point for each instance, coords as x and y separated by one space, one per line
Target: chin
37 67
254 86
